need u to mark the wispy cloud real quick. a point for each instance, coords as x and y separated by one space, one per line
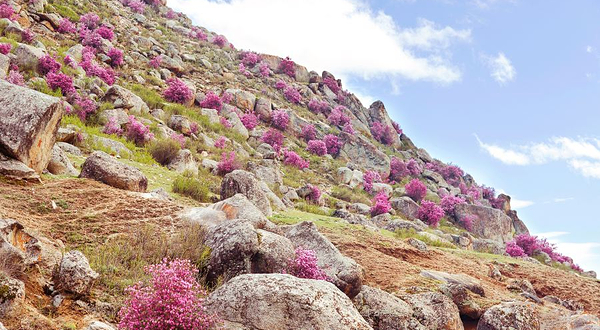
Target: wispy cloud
589 49
501 68
581 154
562 200
486 4
518 204
367 43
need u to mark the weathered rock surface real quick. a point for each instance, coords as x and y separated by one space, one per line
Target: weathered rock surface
245 183
28 135
12 293
16 170
344 272
277 301
435 311
60 163
125 99
74 274
463 280
406 206
184 161
510 315
274 253
384 311
97 325
240 207
490 223
101 167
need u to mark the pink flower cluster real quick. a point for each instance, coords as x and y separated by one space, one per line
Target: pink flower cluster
48 64
7 11
280 119
348 128
93 70
66 26
448 203
381 204
382 133
85 108
138 132
309 132
332 84
400 169
451 173
317 147
315 194
467 221
155 62
136 6
15 77
514 250
250 59
305 265
293 159
333 144
27 36
225 122
62 81
227 163
244 71
288 67
338 117
317 106
177 92
212 101
106 32
397 127
525 244
172 299
5 49
292 94
112 127
264 69
116 57
220 41
430 213
179 138
221 142
250 120
416 190
369 178
89 20
274 138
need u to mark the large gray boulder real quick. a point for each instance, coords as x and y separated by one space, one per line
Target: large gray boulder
240 207
406 206
15 170
29 124
344 272
74 274
267 170
490 223
125 99
244 100
510 315
274 253
245 183
184 161
357 147
466 281
435 311
384 311
377 113
60 163
285 302
232 245
101 167
27 57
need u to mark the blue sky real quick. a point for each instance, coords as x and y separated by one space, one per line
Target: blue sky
506 89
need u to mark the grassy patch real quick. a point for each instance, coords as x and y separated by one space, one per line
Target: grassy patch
188 185
164 151
314 209
411 233
356 195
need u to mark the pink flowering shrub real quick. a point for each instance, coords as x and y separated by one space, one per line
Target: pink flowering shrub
85 107
106 32
280 119
227 97
136 6
177 92
171 14
221 142
348 128
94 70
292 94
5 48
414 168
112 127
381 204
337 116
264 69
65 26
15 77
220 41
397 127
250 59
250 120
179 138
430 213
62 81
137 132
155 62
305 265
287 66
474 192
27 36
48 64
116 57
416 190
398 169
467 221
293 159
280 84
332 84
89 20
171 299
333 144
448 203
199 34
382 133
317 106
225 122
369 178
212 101
309 132
315 194
244 71
7 11
227 164
514 250
317 147
274 138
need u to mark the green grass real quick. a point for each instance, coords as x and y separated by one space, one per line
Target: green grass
314 209
356 195
411 233
192 187
152 98
42 87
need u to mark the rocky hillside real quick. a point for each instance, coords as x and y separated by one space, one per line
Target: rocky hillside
153 176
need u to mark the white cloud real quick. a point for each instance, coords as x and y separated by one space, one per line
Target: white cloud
581 154
562 200
552 234
501 68
589 49
518 204
345 37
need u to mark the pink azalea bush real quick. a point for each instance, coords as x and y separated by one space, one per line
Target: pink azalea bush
116 57
309 132
106 32
382 133
280 84
280 119
5 49
287 66
48 64
398 169
250 59
348 128
292 94
332 84
179 138
27 36
89 20
225 122
467 221
94 70
448 203
413 167
264 69
416 190
397 128
62 81
250 120
65 26
337 116
333 144
305 265
514 250
136 6
430 213
221 142
212 101
138 132
220 41
112 127
532 245
177 92
155 62
451 173
85 107
227 164
317 106
274 138
315 194
317 147
381 204
369 178
7 11
171 299
293 159
15 77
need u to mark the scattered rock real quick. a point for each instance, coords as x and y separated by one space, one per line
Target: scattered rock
97 325
123 98
184 161
521 285
12 293
406 206
60 163
245 183
384 311
274 253
101 167
510 315
278 301
240 207
27 57
491 223
463 280
435 311
419 245
74 274
15 170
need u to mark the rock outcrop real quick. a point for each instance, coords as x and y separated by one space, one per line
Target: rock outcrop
104 168
74 274
245 183
490 223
